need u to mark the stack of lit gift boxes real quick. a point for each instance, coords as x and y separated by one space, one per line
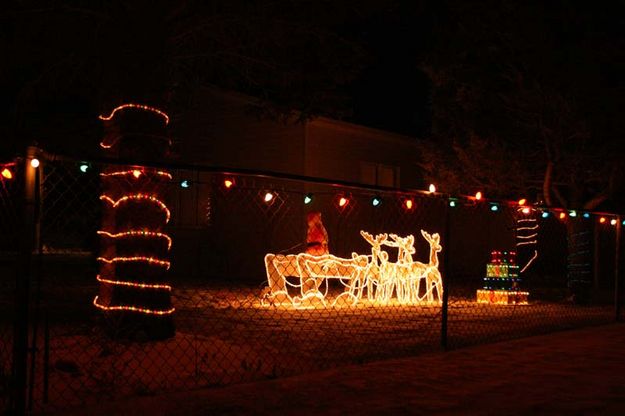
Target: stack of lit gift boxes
502 281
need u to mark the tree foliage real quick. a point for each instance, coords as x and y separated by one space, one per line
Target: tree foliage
526 99
67 60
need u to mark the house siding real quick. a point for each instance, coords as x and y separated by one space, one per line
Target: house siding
212 227
222 131
337 150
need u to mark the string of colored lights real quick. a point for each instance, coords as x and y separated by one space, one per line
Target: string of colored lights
123 259
136 173
408 203
138 233
138 197
135 106
130 106
133 309
133 284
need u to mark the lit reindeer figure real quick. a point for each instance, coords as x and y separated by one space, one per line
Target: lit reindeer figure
374 272
377 269
432 274
407 273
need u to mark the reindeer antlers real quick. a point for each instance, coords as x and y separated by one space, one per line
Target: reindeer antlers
434 240
405 243
428 237
379 239
366 236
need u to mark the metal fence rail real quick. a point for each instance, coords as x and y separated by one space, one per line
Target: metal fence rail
230 327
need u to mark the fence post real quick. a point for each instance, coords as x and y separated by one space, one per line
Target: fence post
35 277
22 287
445 278
617 251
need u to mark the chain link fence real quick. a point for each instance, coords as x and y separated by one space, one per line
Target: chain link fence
11 196
477 229
258 296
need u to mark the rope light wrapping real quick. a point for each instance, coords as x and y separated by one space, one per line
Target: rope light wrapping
134 258
526 231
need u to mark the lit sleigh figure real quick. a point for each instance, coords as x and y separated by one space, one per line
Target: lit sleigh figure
303 280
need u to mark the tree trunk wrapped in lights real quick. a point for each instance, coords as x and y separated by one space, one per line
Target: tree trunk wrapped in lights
526 235
134 258
580 259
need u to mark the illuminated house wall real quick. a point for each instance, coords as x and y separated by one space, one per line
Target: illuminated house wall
223 130
320 147
346 151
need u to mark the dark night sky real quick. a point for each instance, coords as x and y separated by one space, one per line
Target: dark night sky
393 93
63 53
57 51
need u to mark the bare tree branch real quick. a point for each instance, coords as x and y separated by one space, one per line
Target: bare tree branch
547 184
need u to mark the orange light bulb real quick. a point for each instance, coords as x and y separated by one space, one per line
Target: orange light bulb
136 173
602 220
478 195
408 203
228 183
522 201
6 173
268 197
343 201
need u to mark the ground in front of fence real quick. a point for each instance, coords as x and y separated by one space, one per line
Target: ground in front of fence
569 372
225 336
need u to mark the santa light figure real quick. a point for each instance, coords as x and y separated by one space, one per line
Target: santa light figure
316 235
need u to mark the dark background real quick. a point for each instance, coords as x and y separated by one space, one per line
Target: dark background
505 72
